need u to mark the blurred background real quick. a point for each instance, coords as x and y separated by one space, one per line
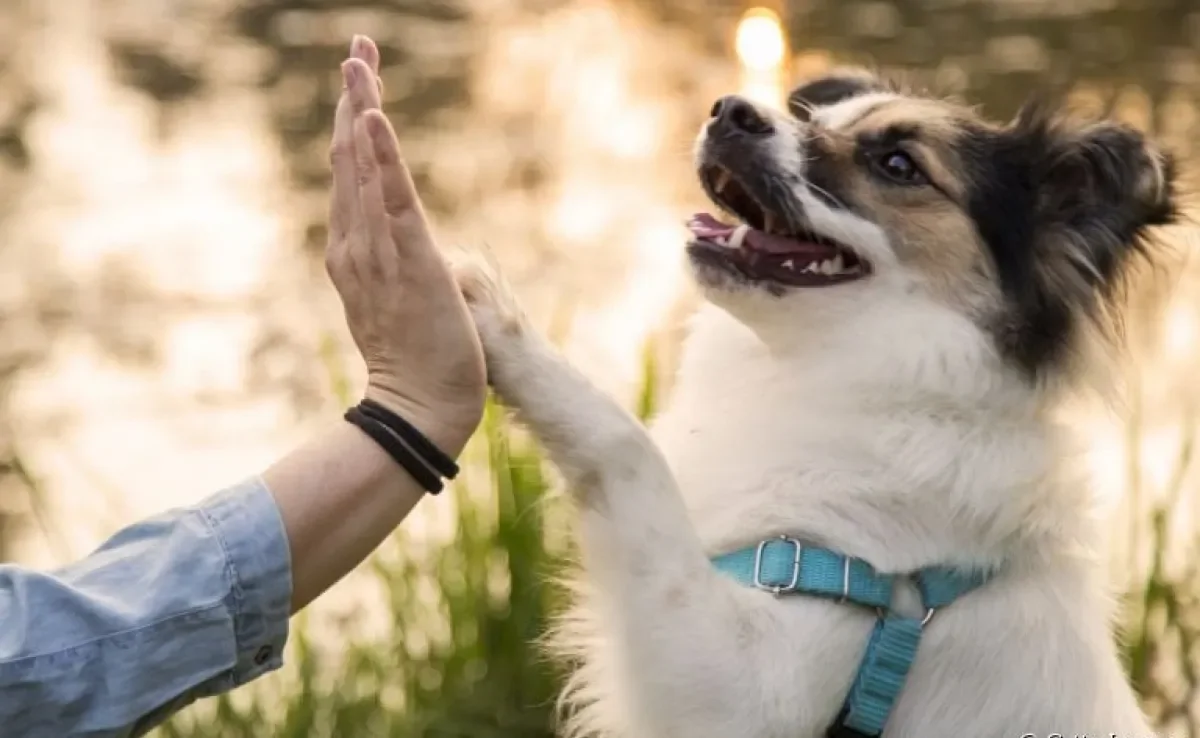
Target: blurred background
166 327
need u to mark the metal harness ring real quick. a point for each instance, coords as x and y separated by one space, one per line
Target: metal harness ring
778 589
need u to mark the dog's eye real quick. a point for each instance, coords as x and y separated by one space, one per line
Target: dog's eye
899 167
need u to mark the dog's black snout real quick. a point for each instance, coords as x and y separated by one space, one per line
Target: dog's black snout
739 114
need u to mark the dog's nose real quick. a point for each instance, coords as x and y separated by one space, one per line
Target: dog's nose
739 114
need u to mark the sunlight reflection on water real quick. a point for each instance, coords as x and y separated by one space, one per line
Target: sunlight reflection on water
198 216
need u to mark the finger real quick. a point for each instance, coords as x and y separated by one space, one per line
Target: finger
400 196
364 48
343 207
370 196
364 92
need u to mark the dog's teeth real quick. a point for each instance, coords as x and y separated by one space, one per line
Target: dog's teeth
720 240
789 265
739 235
839 265
811 268
827 267
722 180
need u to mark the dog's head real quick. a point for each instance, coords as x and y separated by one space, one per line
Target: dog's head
861 191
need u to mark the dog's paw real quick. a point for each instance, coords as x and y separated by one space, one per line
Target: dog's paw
502 326
491 301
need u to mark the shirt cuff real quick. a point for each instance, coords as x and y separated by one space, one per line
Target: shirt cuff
246 521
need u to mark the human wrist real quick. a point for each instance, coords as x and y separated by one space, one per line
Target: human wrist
448 425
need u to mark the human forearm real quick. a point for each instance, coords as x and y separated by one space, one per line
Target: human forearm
340 495
188 603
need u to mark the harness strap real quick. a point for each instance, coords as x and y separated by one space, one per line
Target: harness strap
882 673
939 586
785 566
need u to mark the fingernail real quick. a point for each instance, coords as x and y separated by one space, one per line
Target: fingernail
358 46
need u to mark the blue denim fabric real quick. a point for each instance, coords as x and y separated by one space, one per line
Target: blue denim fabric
180 606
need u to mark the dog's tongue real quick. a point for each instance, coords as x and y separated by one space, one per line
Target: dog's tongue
704 225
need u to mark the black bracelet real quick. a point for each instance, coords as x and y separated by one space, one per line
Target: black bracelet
434 456
396 447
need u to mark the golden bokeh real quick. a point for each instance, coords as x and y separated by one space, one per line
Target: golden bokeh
760 44
761 49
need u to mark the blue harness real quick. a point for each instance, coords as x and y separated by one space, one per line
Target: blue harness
784 566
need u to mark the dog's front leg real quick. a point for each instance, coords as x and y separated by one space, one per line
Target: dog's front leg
696 650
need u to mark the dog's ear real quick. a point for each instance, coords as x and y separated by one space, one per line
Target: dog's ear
1099 188
1096 169
1094 191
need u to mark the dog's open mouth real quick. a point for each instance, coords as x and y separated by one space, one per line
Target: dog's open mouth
763 248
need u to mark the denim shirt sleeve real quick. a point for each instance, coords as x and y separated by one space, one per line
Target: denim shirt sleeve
183 605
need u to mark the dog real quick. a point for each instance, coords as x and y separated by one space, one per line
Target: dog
900 294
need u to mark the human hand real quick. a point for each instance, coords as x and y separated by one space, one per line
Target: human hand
402 305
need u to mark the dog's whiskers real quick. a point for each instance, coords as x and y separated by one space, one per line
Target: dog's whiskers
826 193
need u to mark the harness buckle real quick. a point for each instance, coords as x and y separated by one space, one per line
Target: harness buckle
778 589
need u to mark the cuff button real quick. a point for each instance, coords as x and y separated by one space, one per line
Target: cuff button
263 655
